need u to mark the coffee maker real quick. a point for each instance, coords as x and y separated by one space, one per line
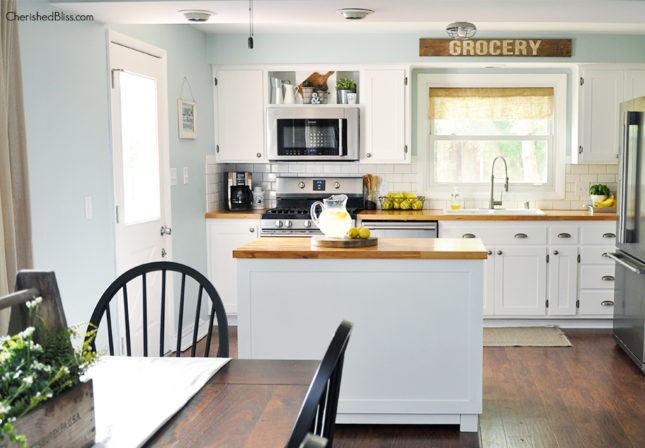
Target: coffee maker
238 190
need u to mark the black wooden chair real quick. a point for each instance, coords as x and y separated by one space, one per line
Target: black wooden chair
318 412
132 288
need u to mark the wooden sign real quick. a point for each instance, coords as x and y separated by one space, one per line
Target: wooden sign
496 47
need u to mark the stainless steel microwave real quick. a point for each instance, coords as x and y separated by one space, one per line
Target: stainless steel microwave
307 133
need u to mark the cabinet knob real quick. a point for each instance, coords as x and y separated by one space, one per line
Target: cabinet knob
490 252
469 235
499 252
607 278
252 229
555 252
521 235
609 235
607 303
564 235
368 155
258 155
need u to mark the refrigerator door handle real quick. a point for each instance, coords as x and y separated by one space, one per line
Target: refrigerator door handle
621 261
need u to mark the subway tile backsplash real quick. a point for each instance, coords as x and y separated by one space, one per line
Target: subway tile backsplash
396 177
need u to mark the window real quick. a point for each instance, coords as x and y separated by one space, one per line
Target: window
471 119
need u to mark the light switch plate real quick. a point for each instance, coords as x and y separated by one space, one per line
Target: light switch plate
173 177
185 175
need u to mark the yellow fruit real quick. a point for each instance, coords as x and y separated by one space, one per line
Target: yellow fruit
353 232
387 204
363 232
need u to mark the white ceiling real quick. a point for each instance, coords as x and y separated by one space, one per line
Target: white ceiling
559 17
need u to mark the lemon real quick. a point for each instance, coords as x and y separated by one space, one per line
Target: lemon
353 232
363 232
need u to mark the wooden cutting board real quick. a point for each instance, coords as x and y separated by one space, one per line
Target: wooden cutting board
325 241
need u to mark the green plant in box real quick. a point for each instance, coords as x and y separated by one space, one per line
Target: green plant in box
345 84
32 372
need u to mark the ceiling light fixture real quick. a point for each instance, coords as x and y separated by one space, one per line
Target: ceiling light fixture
461 30
354 13
196 15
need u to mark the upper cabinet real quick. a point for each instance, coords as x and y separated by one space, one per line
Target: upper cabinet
602 89
239 116
384 97
242 94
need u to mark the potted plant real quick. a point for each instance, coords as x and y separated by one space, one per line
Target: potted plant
598 193
344 86
40 388
307 88
321 90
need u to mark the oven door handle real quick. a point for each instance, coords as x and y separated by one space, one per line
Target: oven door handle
621 261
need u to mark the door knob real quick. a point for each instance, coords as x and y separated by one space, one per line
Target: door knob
166 230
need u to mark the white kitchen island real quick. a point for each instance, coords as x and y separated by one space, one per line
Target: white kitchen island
415 353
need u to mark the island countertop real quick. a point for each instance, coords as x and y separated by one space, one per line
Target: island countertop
387 248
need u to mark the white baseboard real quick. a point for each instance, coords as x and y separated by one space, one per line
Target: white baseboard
562 323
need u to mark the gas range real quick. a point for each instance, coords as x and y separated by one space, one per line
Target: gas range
294 197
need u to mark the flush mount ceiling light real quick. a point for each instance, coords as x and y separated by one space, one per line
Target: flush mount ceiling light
354 13
196 15
461 30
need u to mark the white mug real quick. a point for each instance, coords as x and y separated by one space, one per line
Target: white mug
351 98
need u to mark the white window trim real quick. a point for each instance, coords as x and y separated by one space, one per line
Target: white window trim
553 190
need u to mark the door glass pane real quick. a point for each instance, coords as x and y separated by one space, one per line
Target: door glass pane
141 183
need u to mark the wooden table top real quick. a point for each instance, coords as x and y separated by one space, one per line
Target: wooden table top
387 248
247 403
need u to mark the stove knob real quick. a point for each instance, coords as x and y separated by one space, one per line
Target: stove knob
307 224
288 223
301 185
278 224
336 185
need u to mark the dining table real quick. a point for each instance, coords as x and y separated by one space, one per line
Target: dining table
244 403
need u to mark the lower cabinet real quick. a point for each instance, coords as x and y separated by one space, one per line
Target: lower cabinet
543 269
223 236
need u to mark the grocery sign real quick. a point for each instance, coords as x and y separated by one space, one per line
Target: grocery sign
496 47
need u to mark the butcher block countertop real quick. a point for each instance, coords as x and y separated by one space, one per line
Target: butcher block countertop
440 215
387 248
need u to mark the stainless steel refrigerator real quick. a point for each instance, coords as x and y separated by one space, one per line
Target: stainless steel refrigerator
629 285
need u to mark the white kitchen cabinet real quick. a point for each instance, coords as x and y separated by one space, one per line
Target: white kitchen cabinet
239 121
596 276
224 235
383 96
602 90
515 273
562 280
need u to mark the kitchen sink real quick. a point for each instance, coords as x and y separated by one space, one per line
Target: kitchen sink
497 211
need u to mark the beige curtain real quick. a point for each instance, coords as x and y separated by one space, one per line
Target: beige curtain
501 103
15 227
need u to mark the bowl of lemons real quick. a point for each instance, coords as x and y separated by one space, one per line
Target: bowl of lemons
401 201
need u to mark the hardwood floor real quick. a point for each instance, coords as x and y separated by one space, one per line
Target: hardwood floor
587 395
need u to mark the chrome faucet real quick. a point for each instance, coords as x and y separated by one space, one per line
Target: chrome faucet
493 202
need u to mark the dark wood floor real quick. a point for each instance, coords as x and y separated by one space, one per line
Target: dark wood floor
588 395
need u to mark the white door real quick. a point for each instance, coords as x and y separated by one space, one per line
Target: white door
141 170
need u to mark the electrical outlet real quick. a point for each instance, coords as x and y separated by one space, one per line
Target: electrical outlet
173 177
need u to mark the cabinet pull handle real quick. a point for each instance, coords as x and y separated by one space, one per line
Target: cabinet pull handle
499 252
521 235
608 278
609 235
607 303
555 252
564 235
469 235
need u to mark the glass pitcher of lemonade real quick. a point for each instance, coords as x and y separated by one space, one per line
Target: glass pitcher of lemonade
333 220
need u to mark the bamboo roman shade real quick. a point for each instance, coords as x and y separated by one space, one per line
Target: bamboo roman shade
524 103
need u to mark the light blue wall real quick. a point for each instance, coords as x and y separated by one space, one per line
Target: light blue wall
398 48
66 94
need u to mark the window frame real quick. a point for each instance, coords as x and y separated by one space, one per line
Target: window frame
555 186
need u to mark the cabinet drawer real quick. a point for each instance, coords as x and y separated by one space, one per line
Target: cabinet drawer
562 235
500 235
594 255
605 235
596 302
596 277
